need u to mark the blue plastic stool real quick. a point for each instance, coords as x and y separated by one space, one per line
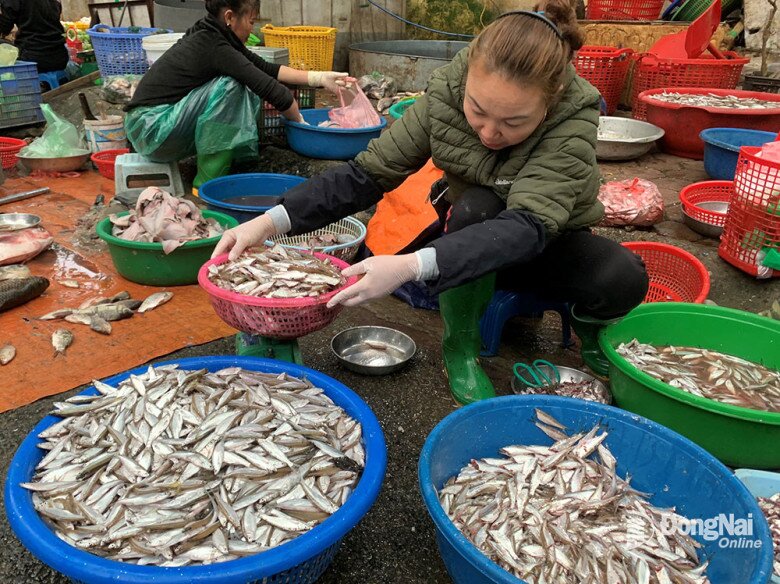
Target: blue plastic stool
53 78
504 305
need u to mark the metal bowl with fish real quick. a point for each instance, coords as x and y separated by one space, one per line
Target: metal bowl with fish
624 138
17 221
573 383
373 350
302 558
288 315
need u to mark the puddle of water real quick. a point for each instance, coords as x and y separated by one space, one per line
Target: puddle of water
68 265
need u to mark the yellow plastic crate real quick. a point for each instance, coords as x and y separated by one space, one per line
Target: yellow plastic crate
311 47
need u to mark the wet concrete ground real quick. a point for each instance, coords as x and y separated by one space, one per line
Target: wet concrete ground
395 542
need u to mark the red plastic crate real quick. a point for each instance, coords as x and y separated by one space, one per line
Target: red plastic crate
652 72
708 191
753 220
269 120
9 148
606 68
623 9
675 275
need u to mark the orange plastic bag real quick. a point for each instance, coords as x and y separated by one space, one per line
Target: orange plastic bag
355 111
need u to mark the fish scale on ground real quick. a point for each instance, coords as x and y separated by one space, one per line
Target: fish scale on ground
177 467
561 514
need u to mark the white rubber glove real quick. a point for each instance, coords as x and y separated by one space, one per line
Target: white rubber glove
237 239
383 274
330 80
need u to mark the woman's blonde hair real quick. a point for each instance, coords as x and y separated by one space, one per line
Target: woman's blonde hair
532 49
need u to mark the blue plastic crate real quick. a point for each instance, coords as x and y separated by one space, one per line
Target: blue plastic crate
19 79
20 110
119 52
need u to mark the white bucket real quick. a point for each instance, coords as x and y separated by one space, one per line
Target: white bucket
106 134
156 44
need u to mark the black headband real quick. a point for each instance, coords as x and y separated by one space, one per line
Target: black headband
536 15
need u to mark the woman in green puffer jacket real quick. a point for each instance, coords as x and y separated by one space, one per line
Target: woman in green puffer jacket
514 130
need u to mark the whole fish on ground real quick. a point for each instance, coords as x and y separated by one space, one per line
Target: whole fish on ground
277 272
710 374
561 514
770 506
94 322
7 353
18 291
61 339
154 300
176 467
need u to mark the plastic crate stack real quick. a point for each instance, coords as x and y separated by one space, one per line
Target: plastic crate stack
623 9
752 228
269 119
652 72
606 68
20 95
120 52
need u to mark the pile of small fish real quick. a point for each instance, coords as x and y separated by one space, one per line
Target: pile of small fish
98 314
277 272
328 239
710 374
771 509
160 217
177 467
591 390
713 100
557 514
384 104
373 354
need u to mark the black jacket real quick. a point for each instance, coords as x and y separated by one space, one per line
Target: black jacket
41 38
209 50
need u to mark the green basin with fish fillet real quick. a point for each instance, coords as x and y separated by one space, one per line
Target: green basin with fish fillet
737 436
146 263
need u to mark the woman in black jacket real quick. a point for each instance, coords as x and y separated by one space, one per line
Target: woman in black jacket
40 38
202 96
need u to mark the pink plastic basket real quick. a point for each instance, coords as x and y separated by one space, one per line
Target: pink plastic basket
278 318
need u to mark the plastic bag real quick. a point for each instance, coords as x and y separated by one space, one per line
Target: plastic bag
60 139
635 202
770 151
218 116
355 111
8 55
120 88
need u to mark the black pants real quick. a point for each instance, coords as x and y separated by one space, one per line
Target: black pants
600 276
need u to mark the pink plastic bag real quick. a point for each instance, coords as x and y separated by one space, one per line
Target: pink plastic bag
770 151
355 111
635 202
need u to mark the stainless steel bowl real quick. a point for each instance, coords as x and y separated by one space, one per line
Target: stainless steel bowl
574 375
63 164
702 227
624 138
373 350
17 221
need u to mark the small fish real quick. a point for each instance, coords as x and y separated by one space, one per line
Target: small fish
155 300
129 303
100 325
57 314
18 291
69 283
79 318
110 312
7 353
61 339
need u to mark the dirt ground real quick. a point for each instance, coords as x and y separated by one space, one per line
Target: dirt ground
395 541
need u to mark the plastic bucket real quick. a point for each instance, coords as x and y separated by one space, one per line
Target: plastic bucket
328 143
107 134
721 148
156 45
260 192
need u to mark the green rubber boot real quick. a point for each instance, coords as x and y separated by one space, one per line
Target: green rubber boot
587 329
461 309
212 166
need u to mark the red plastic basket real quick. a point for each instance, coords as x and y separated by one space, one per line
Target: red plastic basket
623 9
105 159
652 72
606 68
708 191
278 318
9 148
675 274
753 220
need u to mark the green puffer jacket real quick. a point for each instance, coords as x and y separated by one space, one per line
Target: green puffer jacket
552 174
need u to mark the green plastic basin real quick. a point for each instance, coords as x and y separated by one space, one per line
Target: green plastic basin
397 110
737 436
145 263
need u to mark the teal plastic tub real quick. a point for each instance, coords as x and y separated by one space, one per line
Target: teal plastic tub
737 436
145 263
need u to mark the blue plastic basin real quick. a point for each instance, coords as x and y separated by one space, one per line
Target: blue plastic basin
672 469
267 185
328 143
721 149
300 560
